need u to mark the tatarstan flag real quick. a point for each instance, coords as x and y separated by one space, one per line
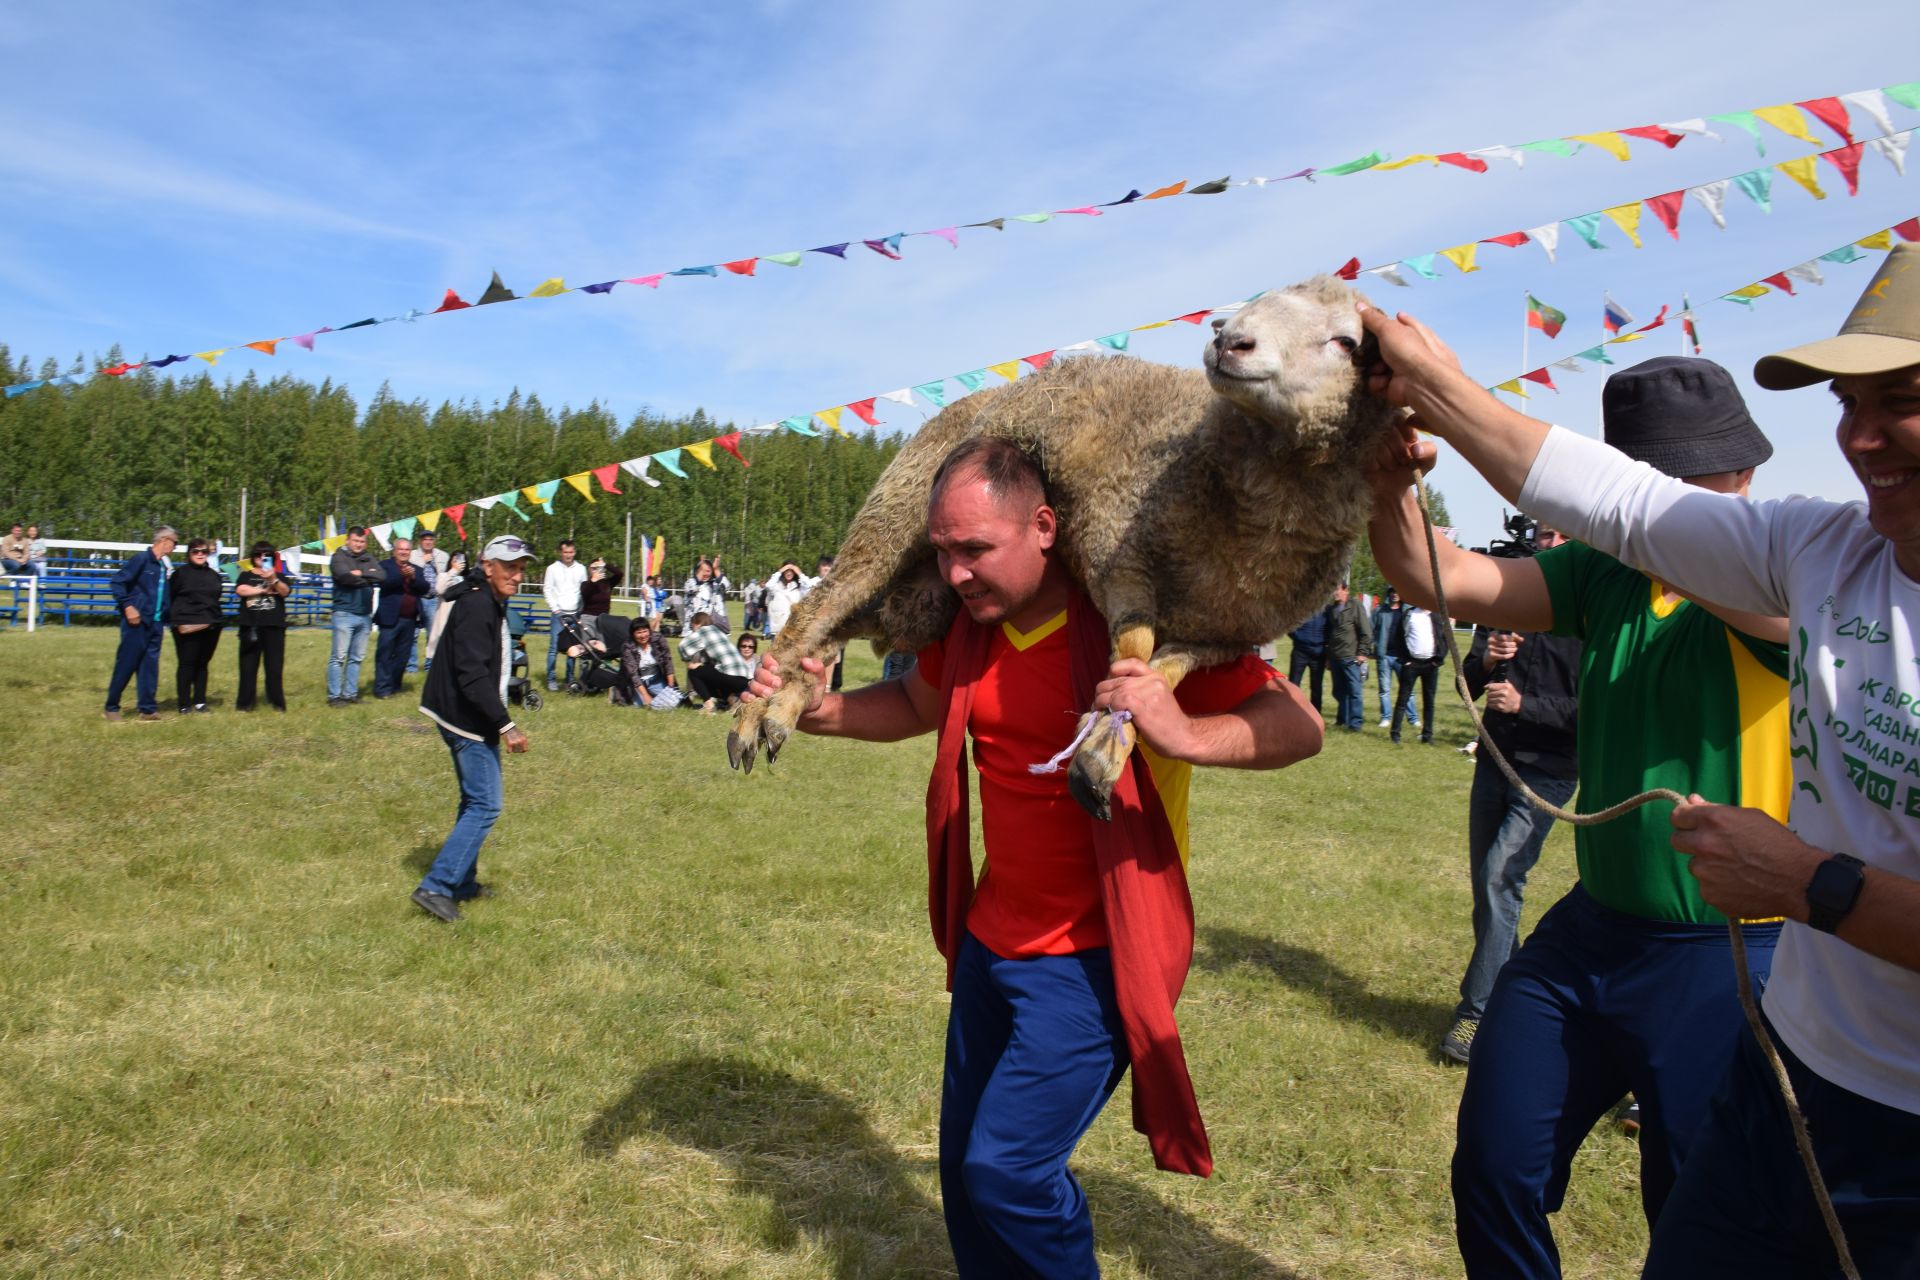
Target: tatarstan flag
1543 317
1686 323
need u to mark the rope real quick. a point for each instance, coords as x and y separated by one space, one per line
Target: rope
1743 980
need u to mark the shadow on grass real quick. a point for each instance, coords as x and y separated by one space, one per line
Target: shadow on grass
420 858
833 1181
1420 1021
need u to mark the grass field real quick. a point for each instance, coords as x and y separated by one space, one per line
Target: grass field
697 1034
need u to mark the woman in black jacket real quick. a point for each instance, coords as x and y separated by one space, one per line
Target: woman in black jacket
193 615
263 589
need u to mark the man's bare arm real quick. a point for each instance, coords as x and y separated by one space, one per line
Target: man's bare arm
1272 728
1510 594
904 707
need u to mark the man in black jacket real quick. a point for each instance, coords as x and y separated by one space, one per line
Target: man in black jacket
466 695
402 585
1531 681
1349 645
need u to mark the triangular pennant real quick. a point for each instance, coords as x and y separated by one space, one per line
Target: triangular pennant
1627 218
1406 161
1038 360
334 543
1656 322
496 292
1801 171
742 267
670 459
1547 237
265 344
1667 209
864 410
359 324
1893 149
1780 281
1611 143
701 453
451 302
1542 377
1745 294
1518 157
485 504
1511 239
510 501
429 519
998 224
1595 355
1713 197
1553 146
731 443
404 528
1908 230
652 281
637 468
935 391
306 339
887 247
1757 186
832 418
1463 161
1390 275
972 381
1350 270
1830 112
1117 341
695 271
1874 103
211 357
1808 272
1847 160
950 234
551 287
1587 227
1788 120
381 533
607 475
1163 192
788 259
541 495
1008 369
1087 209
582 484
1195 317
903 395
1693 128
1745 120
1878 240
1421 264
1461 256
1033 217
1571 364
605 286
1656 133
1512 387
1907 95
800 424
1213 188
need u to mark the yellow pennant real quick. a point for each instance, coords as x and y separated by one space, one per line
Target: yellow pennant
1627 218
1801 171
532 493
1878 240
1612 143
1749 291
1512 387
1461 256
1404 161
1625 337
1157 324
831 417
1008 370
211 357
1788 120
334 543
581 481
702 453
429 520
549 288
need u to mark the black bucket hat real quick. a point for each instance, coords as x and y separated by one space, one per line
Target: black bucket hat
1682 415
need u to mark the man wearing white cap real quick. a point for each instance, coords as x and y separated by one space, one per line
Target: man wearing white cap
466 695
1843 1002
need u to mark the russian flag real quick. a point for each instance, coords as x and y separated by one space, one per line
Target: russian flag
1614 316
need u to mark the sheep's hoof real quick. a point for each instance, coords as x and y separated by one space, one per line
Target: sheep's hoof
1087 794
739 755
774 735
1097 764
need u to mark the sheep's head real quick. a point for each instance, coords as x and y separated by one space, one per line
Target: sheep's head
1295 358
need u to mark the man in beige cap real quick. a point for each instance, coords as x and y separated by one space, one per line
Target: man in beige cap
1843 1002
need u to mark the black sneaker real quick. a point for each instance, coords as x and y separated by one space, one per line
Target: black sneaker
1457 1044
438 905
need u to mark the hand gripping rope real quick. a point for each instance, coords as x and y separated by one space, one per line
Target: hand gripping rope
1741 977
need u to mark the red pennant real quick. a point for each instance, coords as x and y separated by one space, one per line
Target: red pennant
1667 209
454 513
1908 230
1041 360
744 267
731 443
1194 317
1464 161
1351 271
606 476
863 409
1830 112
1542 377
115 370
265 344
1513 239
1779 282
451 302
1847 160
1654 323
1654 133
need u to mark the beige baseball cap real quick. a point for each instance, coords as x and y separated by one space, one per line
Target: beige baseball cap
1881 335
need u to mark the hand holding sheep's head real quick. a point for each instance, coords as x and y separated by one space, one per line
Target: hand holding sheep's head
1291 357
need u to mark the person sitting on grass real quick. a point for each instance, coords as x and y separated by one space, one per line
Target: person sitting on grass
646 670
749 646
716 672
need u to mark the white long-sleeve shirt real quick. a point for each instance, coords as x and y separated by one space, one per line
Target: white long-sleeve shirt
561 586
1854 708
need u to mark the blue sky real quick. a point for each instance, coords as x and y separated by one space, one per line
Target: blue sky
178 177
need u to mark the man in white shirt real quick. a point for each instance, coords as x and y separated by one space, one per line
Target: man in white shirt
561 587
1843 1001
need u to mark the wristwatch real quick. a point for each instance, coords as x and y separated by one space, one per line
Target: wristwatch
1835 887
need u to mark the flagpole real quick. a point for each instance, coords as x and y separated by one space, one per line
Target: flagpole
1526 327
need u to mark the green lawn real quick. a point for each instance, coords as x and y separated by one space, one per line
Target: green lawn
697 1034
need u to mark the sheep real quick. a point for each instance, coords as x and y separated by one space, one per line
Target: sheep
1204 513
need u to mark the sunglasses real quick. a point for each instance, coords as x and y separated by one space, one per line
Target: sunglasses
516 546
198 551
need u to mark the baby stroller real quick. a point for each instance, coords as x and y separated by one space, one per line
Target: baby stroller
596 644
519 687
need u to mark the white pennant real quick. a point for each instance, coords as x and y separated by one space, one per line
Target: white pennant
764 429
1696 126
637 468
1808 272
1713 197
1570 364
1519 158
1389 275
1547 236
903 396
1874 103
1079 346
485 504
380 532
1893 149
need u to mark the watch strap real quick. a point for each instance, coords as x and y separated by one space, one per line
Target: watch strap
1835 887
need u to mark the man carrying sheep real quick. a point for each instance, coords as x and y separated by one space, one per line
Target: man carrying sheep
1066 959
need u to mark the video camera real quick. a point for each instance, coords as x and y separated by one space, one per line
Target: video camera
1522 541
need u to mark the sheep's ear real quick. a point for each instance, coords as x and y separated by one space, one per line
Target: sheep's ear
1219 323
1367 354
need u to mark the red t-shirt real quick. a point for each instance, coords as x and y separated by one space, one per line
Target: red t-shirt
1040 893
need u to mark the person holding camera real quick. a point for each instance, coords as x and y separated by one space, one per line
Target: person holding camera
262 589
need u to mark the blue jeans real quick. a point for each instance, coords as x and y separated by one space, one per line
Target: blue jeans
428 607
1504 835
350 631
1387 668
456 867
1035 1048
1743 1205
138 659
555 622
1349 691
1596 1004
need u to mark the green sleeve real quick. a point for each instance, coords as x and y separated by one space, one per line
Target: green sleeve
1564 568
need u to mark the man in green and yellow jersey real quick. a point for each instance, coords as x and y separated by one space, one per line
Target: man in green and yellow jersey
1626 984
